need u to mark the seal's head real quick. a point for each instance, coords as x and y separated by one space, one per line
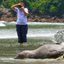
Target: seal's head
24 54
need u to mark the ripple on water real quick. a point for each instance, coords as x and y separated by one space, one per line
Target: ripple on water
31 61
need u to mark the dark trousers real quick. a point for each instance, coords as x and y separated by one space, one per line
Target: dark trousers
22 33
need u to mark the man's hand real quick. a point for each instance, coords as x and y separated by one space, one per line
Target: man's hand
21 4
21 7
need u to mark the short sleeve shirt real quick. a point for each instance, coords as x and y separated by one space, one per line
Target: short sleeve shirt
21 18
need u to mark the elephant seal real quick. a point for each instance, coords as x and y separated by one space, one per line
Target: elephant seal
44 51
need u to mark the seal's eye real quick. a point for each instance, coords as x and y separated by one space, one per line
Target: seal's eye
21 56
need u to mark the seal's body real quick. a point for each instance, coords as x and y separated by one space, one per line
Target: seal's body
45 51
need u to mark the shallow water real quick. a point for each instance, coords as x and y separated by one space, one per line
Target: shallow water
11 33
30 61
39 32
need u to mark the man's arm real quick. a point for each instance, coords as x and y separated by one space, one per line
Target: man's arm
24 11
13 6
21 8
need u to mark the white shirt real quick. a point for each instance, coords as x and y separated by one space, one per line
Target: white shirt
21 18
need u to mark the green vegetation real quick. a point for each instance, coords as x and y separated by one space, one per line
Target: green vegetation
40 7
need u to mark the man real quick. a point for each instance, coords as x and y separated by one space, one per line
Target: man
21 22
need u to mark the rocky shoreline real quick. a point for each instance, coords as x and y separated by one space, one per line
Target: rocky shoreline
8 15
52 20
46 20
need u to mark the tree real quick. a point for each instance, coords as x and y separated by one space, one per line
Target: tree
9 3
0 2
44 7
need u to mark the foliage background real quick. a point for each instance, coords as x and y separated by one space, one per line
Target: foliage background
39 7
